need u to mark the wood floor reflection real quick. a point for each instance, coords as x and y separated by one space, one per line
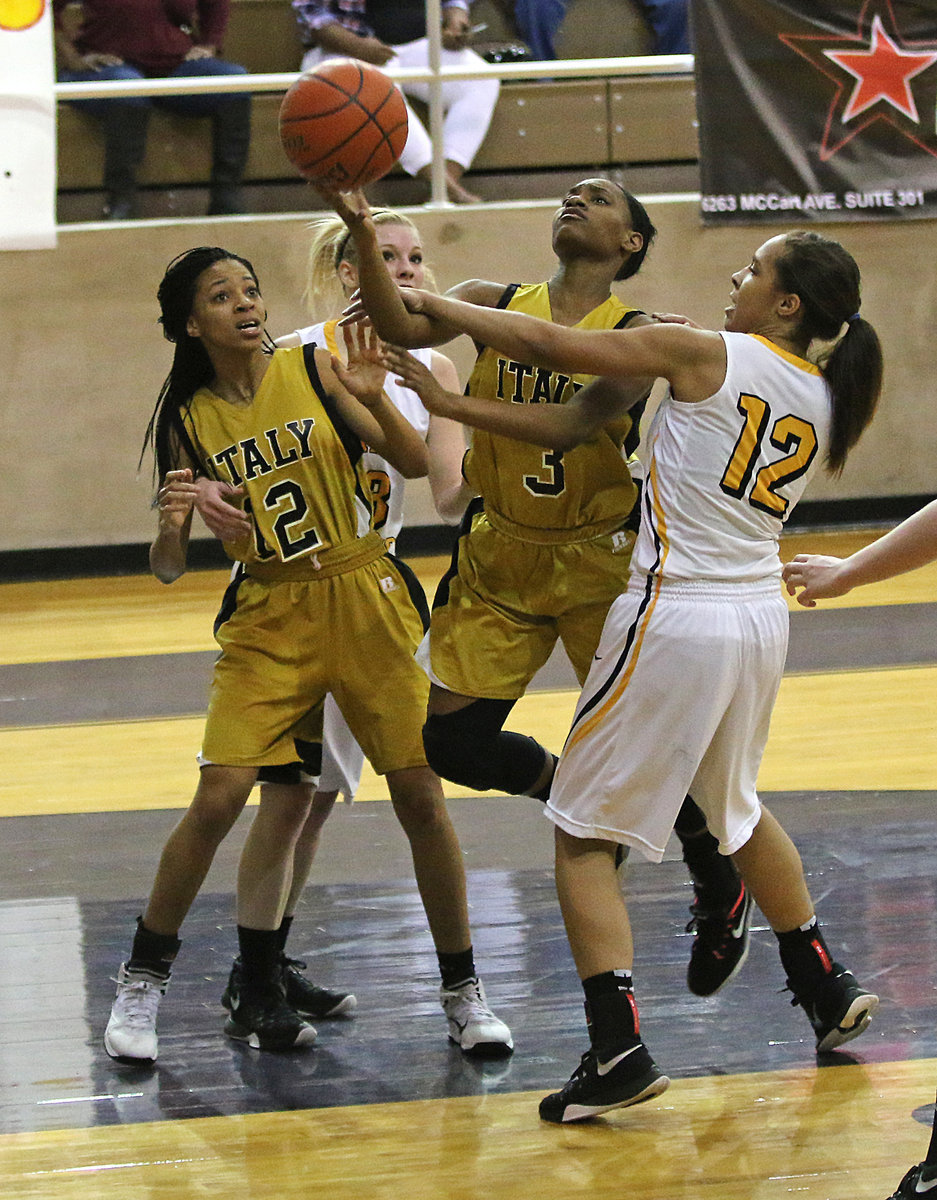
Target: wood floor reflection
102 683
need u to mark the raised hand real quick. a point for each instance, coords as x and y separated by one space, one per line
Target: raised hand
352 207
364 372
413 374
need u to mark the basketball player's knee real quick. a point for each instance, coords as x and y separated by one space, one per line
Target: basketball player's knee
459 745
418 801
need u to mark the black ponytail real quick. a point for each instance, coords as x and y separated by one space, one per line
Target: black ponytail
826 278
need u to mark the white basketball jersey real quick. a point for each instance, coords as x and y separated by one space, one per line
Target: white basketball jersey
724 474
387 484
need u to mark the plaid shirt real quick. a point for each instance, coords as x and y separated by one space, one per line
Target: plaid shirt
313 14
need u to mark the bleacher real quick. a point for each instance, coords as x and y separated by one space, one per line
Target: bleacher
538 125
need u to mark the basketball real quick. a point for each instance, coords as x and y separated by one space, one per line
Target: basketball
343 124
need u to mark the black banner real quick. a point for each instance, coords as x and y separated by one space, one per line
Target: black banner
813 110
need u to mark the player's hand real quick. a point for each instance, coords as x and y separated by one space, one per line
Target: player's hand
675 319
352 207
364 372
216 503
411 373
197 52
175 499
816 575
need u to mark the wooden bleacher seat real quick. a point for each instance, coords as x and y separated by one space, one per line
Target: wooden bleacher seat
605 122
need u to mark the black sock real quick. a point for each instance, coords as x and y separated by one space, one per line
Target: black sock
715 875
153 952
456 969
284 932
806 958
260 957
611 1013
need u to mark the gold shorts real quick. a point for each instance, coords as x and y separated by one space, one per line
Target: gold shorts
500 610
285 645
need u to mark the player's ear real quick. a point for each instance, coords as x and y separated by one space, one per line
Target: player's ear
632 242
789 305
348 275
191 327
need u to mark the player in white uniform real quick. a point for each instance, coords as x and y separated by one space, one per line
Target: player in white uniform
680 693
332 276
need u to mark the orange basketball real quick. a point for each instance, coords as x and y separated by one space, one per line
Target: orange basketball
344 124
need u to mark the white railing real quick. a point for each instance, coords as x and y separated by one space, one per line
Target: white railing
435 75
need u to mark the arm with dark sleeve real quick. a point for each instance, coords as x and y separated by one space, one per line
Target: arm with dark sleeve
212 23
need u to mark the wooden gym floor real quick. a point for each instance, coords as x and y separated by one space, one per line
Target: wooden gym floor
102 683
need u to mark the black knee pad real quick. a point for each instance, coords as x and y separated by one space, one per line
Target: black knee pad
469 747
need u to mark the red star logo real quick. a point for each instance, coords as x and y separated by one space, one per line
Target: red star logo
872 72
882 73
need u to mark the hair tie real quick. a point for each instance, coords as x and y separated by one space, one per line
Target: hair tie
854 317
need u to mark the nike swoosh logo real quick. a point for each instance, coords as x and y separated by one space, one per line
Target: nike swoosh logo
929 1186
604 1068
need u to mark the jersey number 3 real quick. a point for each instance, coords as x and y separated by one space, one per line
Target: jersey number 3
796 437
552 478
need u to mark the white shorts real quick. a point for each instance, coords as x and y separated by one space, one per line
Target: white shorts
678 702
342 757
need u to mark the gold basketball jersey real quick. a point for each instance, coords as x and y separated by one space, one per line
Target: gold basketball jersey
297 460
588 488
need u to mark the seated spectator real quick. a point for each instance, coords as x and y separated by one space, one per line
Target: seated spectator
393 33
149 39
538 22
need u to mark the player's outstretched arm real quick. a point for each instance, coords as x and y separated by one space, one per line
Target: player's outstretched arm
912 544
556 426
678 352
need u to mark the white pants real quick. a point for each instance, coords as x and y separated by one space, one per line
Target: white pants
468 104
342 757
678 702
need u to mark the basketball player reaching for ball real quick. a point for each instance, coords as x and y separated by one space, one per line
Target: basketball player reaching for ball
692 653
283 854
547 549
321 608
813 577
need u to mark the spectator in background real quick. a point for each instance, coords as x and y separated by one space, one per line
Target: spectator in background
393 33
538 22
150 39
